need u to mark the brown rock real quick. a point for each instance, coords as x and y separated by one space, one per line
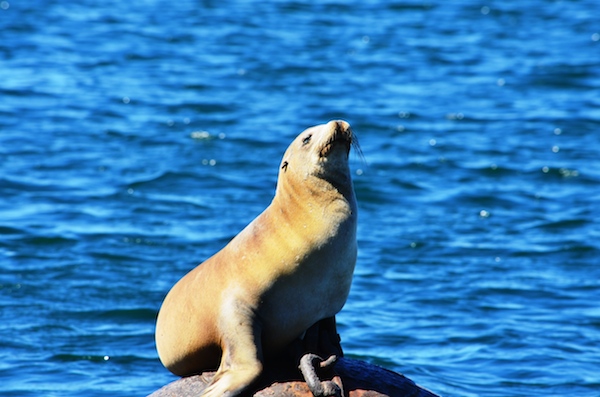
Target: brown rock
359 379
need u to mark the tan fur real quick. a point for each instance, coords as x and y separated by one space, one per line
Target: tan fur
289 268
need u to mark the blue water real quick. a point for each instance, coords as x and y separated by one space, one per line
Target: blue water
137 138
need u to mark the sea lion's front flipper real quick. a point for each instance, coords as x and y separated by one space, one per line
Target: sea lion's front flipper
241 362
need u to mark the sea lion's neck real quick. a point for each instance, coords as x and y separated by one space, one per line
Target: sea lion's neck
317 197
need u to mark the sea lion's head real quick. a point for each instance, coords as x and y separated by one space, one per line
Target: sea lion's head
319 152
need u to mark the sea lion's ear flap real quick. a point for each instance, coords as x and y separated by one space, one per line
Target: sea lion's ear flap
284 166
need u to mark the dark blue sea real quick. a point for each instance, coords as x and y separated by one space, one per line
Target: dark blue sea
138 137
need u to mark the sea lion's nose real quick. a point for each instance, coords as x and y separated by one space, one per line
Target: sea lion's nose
338 126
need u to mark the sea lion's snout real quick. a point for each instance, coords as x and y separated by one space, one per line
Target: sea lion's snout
338 125
338 133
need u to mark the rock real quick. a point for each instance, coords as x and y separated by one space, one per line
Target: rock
358 378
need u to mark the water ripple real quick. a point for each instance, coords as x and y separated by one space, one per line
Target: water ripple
138 139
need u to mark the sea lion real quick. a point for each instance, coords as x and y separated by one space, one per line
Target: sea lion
289 268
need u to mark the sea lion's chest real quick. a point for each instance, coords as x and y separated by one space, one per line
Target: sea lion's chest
315 280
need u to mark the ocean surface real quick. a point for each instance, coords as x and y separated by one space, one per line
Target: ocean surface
138 137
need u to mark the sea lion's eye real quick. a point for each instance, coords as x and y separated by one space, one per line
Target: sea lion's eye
306 140
284 166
